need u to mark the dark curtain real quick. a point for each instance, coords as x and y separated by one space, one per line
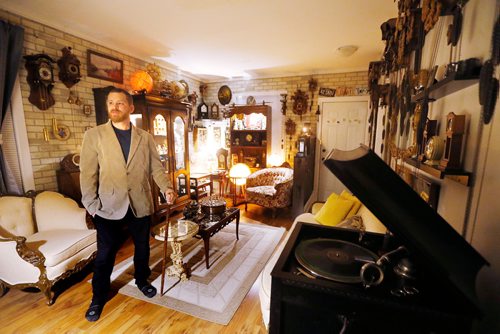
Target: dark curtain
11 47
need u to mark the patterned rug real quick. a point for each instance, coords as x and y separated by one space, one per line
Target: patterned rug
212 294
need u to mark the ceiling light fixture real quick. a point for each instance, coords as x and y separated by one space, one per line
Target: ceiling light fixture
347 50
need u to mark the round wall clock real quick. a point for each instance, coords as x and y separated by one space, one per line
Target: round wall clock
225 95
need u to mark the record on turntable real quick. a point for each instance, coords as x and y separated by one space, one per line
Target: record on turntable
333 259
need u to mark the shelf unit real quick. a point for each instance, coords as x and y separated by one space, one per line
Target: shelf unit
447 86
250 145
459 176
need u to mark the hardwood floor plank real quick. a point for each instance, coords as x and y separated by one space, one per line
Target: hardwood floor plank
26 311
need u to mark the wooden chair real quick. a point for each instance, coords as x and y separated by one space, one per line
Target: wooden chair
220 175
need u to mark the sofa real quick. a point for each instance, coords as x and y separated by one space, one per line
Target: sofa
348 219
44 237
270 188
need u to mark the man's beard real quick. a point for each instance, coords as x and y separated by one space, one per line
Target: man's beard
117 117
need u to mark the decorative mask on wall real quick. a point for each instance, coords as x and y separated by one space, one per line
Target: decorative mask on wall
69 68
40 79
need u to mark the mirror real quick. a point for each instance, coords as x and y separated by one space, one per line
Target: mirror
179 143
161 141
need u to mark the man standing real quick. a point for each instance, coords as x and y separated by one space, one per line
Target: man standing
116 162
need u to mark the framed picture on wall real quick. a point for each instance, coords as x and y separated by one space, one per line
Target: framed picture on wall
104 67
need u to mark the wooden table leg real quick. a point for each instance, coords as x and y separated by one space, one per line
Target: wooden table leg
206 241
237 225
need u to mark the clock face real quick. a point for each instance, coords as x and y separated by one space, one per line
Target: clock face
73 69
45 72
449 124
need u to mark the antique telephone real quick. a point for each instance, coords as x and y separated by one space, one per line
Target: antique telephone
40 79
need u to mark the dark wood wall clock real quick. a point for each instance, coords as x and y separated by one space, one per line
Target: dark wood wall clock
40 79
300 102
455 129
69 68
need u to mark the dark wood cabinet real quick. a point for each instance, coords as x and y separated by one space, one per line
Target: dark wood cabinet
68 184
250 135
303 176
167 121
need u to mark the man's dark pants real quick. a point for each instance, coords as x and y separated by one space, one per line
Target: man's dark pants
109 240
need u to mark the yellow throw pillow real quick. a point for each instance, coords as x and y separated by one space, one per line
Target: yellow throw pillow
334 210
357 203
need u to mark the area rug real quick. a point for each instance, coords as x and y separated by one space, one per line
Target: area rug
212 294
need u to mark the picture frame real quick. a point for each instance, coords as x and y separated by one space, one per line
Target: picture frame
101 66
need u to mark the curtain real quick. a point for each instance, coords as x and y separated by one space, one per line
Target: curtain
11 47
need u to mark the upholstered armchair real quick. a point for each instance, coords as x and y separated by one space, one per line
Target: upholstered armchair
270 188
44 238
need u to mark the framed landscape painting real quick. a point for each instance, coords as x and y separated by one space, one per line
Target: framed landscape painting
104 67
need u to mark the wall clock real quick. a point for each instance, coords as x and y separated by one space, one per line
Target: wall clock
300 102
69 68
214 111
455 129
202 110
40 79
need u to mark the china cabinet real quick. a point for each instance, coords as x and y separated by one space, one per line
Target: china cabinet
167 121
250 135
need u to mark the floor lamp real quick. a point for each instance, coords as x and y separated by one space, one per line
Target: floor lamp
238 175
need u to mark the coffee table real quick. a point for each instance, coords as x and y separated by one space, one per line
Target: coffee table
178 231
209 226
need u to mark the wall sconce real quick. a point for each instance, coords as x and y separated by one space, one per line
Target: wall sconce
306 129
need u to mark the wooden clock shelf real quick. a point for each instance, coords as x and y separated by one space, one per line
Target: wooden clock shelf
459 176
447 86
250 135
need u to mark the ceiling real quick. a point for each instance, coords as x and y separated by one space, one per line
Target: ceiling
220 39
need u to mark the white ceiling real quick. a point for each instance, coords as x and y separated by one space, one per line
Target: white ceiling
225 38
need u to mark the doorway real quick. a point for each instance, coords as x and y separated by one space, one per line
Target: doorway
342 125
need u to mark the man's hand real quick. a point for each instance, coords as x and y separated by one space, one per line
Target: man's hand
170 195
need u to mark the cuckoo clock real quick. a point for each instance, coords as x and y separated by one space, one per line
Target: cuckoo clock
69 68
455 128
300 102
40 79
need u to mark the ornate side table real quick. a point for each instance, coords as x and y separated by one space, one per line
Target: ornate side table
177 231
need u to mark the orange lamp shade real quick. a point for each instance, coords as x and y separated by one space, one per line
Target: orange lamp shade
141 80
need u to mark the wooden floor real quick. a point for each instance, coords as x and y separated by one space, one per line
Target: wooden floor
26 311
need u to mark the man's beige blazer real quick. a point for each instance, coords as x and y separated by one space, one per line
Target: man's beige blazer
110 184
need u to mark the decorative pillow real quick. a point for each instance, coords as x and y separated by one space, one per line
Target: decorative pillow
357 203
334 210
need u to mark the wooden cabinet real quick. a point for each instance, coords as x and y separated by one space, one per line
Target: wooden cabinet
167 121
303 176
250 135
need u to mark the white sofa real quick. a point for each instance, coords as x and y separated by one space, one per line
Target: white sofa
370 222
44 237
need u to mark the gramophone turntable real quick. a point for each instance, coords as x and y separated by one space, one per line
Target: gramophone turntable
419 278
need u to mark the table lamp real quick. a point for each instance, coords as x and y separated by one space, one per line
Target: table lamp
238 175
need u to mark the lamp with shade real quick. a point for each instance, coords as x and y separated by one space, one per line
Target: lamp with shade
238 175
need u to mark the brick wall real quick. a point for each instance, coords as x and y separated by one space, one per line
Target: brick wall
39 38
349 80
46 156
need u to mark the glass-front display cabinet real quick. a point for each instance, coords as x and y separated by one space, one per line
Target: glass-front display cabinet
166 120
250 135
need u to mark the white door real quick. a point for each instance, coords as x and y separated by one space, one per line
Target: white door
343 125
